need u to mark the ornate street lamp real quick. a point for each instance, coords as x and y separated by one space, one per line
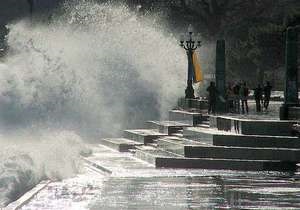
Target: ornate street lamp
190 45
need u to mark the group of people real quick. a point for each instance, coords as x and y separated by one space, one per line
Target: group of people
262 96
237 96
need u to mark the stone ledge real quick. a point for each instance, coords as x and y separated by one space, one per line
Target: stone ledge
191 118
245 153
120 144
167 127
175 145
204 135
256 141
199 104
23 200
252 126
97 166
161 161
144 136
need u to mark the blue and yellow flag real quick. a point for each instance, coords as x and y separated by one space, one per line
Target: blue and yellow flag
198 76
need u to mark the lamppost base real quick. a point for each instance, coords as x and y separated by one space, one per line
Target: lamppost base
189 92
289 111
283 112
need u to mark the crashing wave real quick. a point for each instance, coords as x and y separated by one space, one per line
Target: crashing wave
93 71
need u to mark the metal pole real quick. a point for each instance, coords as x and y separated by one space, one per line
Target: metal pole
189 92
190 46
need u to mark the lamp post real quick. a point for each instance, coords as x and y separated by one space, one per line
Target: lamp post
190 46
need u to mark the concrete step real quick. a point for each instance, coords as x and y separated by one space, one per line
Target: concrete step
167 127
120 144
191 118
252 126
162 159
206 122
203 125
222 138
294 113
256 141
144 136
204 135
154 145
175 144
245 153
186 103
178 135
142 153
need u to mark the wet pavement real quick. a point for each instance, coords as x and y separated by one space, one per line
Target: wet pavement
271 114
73 193
134 184
199 192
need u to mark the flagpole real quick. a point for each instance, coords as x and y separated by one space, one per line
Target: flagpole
189 92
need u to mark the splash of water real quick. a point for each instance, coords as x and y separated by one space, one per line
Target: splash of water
94 70
97 69
27 159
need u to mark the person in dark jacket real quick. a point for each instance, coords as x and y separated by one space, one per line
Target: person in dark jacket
258 92
267 94
212 97
236 92
244 93
230 98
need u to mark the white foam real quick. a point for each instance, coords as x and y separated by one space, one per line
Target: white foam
94 70
97 68
27 159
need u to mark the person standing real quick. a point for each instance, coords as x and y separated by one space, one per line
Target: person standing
258 97
212 97
267 94
236 91
244 93
230 98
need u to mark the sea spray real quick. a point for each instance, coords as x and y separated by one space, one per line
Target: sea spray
91 71
96 68
27 159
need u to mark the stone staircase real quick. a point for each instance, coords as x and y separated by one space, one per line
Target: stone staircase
196 140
